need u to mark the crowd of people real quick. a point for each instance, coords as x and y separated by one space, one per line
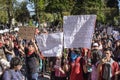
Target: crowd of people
20 59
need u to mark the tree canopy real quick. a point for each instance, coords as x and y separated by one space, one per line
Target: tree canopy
107 11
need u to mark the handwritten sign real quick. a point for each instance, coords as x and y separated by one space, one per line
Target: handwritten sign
27 32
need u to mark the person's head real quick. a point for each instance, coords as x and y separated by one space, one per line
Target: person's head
117 43
31 46
77 51
58 61
7 42
16 63
95 46
108 52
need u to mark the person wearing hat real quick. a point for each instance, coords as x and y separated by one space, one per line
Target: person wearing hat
96 55
95 48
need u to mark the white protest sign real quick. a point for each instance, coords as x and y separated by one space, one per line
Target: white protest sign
115 34
78 31
109 30
50 44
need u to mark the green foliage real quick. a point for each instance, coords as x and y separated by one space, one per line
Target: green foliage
52 10
30 22
3 16
104 9
22 13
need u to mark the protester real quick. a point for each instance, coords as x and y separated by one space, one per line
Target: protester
60 70
8 49
108 68
32 60
78 67
4 64
117 52
78 63
14 72
86 54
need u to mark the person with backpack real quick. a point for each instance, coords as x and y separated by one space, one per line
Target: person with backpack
14 72
108 68
96 55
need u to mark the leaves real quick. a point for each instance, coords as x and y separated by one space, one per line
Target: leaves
52 10
22 13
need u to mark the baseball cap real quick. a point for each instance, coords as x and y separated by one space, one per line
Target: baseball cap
95 44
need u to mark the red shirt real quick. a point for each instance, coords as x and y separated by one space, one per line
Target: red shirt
1 44
114 68
77 72
58 73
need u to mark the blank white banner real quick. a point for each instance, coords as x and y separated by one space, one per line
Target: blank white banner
78 31
50 44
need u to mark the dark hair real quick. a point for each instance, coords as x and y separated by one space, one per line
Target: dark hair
15 62
7 39
108 49
30 43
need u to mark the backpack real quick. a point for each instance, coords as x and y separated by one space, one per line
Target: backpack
95 57
106 72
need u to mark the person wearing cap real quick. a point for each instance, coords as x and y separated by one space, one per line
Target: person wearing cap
96 55
95 47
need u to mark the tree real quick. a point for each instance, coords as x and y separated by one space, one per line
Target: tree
3 13
21 13
7 10
105 10
39 6
10 10
60 7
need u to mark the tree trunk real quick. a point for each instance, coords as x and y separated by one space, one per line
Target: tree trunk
9 14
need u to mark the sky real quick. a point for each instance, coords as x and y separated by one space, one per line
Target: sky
119 4
28 6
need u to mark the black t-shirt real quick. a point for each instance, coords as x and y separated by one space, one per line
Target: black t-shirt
8 48
32 61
